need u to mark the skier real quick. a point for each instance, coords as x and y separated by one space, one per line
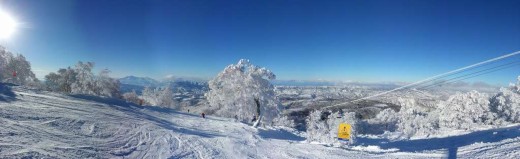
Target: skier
236 117
14 77
254 119
203 115
188 110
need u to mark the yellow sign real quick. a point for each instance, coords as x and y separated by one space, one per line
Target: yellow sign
344 131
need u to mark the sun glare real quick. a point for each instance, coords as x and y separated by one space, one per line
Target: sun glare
7 25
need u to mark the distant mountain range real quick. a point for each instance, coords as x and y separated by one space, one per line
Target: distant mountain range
130 83
139 81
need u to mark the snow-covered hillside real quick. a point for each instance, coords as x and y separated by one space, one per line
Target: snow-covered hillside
48 125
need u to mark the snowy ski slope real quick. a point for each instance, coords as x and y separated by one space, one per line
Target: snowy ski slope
49 125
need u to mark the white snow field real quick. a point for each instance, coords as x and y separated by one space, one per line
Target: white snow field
37 124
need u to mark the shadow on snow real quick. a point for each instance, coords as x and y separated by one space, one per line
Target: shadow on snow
451 143
6 93
279 134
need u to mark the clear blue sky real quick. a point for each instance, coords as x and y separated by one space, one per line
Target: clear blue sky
307 40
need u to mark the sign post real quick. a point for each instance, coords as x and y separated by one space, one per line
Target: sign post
344 131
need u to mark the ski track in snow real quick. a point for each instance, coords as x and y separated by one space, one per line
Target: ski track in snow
49 125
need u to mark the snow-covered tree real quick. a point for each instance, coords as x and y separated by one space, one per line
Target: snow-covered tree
81 80
244 90
159 97
465 111
410 105
387 116
52 82
131 97
318 129
5 57
165 98
22 68
507 103
423 125
68 78
149 96
107 86
85 82
461 111
385 121
16 69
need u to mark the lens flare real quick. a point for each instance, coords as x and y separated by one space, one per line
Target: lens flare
7 25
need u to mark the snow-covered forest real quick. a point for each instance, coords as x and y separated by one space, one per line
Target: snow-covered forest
81 80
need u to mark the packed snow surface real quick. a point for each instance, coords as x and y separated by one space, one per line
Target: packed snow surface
49 125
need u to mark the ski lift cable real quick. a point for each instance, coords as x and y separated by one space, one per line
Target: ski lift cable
431 78
448 75
443 74
488 70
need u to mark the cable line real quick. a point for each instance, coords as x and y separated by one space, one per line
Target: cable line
449 73
486 72
493 69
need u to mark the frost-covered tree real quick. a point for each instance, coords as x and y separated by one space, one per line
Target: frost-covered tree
507 103
5 57
22 68
461 111
413 120
387 116
410 105
162 97
52 82
60 81
322 126
85 82
465 111
149 96
418 125
243 90
131 97
16 69
165 98
318 129
385 121
107 86
81 80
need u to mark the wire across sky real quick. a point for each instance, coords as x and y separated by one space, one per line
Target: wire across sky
478 68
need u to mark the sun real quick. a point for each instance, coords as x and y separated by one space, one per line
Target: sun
7 25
